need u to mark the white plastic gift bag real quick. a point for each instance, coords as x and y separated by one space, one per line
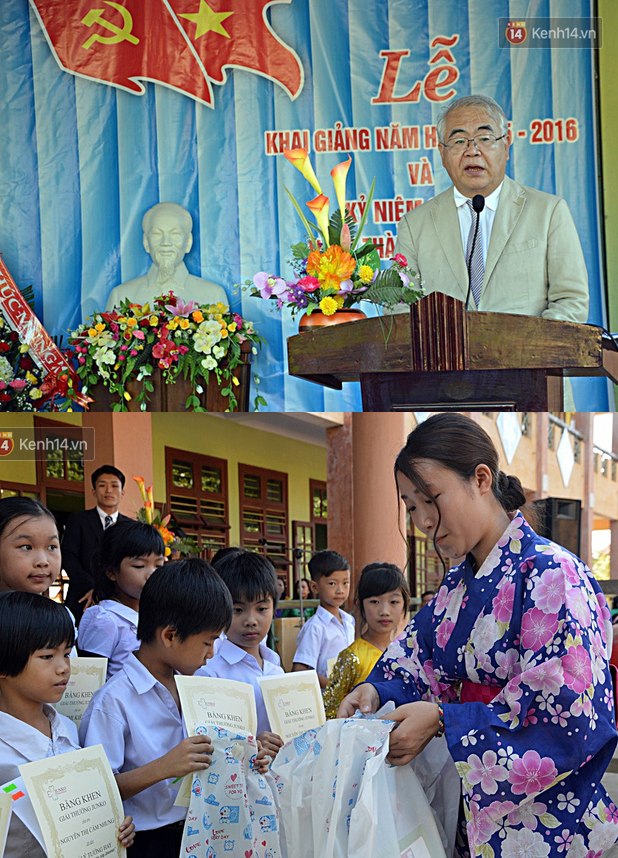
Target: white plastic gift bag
339 798
232 811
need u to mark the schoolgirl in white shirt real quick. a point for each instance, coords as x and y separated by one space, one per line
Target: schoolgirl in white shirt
130 552
36 637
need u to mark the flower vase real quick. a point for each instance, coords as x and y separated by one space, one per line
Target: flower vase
317 319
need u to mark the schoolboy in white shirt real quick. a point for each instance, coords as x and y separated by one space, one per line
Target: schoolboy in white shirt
242 655
330 630
136 716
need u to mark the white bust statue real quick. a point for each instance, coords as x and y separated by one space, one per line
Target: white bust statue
167 238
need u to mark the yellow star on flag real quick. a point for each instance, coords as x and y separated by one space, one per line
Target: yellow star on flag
207 20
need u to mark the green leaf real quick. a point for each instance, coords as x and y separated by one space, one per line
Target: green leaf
549 821
363 219
299 251
308 227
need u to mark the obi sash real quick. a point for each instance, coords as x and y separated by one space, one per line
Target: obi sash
473 692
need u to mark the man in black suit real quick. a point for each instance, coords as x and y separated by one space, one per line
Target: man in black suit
83 533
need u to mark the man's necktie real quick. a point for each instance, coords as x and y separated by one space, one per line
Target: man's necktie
476 266
108 521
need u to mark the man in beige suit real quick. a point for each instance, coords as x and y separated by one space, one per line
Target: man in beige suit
532 259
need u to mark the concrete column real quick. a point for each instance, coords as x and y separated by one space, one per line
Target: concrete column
339 477
584 422
379 521
542 455
123 440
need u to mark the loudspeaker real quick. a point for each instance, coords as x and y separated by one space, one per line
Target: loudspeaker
560 521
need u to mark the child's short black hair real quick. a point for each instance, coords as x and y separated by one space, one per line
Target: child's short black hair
11 508
28 622
107 469
324 563
249 577
187 595
121 540
220 553
377 579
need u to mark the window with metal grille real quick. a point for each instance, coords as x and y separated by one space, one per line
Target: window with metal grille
264 513
197 498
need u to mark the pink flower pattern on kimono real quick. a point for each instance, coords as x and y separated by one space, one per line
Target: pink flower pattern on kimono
532 773
517 623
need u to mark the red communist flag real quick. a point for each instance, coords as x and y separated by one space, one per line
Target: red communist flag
237 34
122 43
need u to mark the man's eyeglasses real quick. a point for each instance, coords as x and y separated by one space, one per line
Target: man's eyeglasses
484 142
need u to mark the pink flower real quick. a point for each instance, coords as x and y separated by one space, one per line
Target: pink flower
548 593
486 772
401 259
18 383
537 628
133 353
309 284
546 677
531 773
238 319
577 669
503 602
139 335
182 309
81 360
269 285
443 633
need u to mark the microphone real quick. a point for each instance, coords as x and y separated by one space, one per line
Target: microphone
478 204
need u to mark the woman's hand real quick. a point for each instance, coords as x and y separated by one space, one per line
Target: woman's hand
364 697
417 725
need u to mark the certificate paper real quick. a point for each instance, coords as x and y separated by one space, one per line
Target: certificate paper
77 803
293 703
6 803
221 702
87 676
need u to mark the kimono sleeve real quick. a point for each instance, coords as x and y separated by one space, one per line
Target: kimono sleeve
405 672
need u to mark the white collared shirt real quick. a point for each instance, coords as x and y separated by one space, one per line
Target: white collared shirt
109 629
232 662
323 637
19 744
137 721
487 218
103 515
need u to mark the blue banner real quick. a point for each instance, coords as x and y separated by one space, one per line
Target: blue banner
82 159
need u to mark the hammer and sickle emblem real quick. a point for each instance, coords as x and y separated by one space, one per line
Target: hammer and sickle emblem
95 16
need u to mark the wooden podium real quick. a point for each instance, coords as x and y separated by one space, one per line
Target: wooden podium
440 357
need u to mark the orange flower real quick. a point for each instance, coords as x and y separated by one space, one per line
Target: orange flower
339 175
332 267
197 316
300 159
319 207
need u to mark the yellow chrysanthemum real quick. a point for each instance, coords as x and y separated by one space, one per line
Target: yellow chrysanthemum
365 273
339 300
328 306
184 324
92 332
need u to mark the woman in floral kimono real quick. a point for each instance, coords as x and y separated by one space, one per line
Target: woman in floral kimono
509 660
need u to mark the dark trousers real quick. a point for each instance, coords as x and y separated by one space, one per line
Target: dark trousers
158 842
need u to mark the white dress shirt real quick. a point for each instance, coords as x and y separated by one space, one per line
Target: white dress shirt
232 662
487 218
323 637
19 744
103 515
136 720
109 629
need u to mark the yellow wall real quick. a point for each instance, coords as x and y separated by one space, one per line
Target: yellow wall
224 439
24 471
608 11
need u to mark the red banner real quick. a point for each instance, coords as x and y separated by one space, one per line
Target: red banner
183 44
21 319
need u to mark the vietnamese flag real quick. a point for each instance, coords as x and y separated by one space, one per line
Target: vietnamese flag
123 43
237 34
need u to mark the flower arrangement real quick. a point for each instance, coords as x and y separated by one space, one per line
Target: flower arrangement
149 515
23 385
332 269
187 340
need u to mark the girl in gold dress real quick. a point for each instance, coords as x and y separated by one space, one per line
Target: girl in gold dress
382 597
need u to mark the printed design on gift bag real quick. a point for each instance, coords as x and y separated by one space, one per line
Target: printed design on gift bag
229 813
238 793
196 787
